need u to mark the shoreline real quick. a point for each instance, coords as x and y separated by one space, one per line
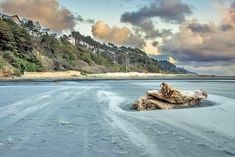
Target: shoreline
77 76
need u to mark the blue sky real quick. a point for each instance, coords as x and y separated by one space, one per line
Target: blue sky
110 11
104 10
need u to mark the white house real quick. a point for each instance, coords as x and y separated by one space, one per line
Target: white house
72 40
13 18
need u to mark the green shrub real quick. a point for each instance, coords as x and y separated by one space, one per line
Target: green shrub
2 63
22 39
14 38
6 36
24 65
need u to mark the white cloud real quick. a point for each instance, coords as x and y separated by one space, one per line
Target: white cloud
116 35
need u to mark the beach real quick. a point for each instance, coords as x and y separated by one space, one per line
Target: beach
76 75
94 118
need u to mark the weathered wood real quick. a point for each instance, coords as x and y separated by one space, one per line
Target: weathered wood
169 97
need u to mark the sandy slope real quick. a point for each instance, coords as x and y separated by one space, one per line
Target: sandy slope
78 75
46 75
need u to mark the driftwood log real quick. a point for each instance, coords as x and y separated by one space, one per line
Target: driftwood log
169 97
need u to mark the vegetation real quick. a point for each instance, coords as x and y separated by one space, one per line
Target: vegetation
36 52
2 63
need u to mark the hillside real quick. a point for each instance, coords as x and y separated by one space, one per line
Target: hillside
24 50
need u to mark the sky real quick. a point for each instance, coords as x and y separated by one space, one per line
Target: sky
196 35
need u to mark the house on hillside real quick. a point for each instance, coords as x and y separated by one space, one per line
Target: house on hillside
32 26
1 14
44 31
13 18
72 40
54 35
37 25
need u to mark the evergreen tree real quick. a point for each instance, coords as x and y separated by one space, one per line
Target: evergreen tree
6 37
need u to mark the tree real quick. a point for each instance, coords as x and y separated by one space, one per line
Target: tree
22 39
6 37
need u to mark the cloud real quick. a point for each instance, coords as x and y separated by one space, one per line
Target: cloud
173 11
155 43
79 18
151 32
210 47
203 45
150 49
200 28
229 19
227 70
172 60
116 35
48 12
